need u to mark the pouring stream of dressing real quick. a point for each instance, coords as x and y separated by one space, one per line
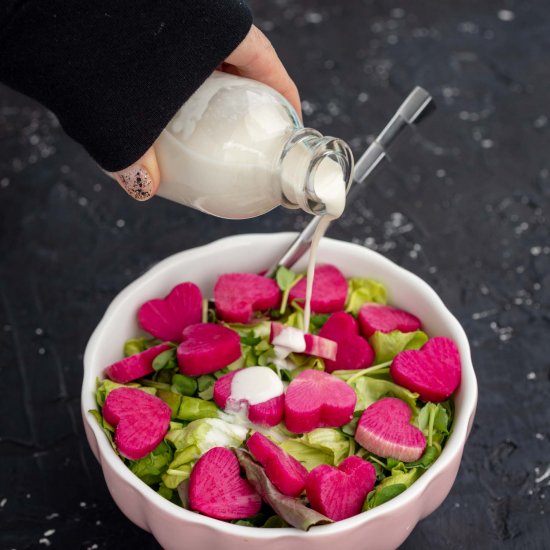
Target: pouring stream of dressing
331 189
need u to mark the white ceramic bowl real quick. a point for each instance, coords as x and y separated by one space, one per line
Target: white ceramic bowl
383 528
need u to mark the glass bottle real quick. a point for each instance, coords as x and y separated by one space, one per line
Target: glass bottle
237 149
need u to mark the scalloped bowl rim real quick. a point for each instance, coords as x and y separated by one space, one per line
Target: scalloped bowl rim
461 425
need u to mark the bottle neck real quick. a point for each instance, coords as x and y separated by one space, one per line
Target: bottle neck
315 172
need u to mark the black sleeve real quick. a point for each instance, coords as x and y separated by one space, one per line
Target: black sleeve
116 71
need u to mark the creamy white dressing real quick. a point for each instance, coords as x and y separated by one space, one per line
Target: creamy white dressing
292 339
255 385
330 187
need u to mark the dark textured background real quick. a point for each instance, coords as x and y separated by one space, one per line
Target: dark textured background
464 206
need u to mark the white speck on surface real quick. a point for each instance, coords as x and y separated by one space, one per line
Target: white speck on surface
51 516
49 532
441 173
83 504
541 121
97 187
535 250
3 502
28 495
93 547
38 331
362 97
539 436
397 13
468 27
41 351
98 522
313 17
483 314
82 201
531 375
45 542
120 223
506 15
521 228
543 476
487 143
4 182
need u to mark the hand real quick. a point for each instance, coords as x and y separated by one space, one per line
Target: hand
253 58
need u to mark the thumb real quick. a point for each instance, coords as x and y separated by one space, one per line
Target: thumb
141 179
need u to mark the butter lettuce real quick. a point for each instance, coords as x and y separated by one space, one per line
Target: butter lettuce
320 446
387 345
361 291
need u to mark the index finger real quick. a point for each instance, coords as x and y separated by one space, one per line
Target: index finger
256 58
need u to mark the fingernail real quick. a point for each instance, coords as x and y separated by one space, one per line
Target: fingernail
137 182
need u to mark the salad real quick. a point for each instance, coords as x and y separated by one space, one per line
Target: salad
233 409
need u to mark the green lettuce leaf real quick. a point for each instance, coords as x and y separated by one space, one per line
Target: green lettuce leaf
390 487
286 279
184 385
193 408
206 386
387 346
370 389
320 446
165 360
137 345
151 467
361 291
291 510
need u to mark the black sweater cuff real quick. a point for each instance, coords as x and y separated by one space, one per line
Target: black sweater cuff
116 71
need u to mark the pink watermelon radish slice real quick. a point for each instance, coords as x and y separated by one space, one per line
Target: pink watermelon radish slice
283 470
330 290
165 319
297 341
217 490
207 347
339 493
266 413
316 399
141 421
385 430
239 295
433 371
376 317
354 352
136 366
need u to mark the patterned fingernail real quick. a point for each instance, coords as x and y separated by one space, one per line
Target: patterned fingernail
137 182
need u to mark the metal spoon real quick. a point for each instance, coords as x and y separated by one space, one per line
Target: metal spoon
410 112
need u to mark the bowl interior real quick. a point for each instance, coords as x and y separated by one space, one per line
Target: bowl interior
254 253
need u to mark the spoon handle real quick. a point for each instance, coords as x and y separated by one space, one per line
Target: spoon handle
410 112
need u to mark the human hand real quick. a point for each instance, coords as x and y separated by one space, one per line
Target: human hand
253 58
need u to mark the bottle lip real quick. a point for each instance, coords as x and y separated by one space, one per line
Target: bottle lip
320 147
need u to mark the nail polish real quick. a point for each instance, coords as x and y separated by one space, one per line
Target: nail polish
137 182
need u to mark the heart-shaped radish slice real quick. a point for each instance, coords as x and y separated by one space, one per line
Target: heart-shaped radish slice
376 317
433 371
329 293
239 295
316 399
165 319
283 470
141 421
385 429
207 347
354 352
339 493
217 490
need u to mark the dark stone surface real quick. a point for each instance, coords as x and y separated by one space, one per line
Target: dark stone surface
464 206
